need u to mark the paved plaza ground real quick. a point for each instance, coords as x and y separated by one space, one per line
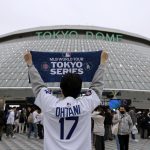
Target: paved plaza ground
21 142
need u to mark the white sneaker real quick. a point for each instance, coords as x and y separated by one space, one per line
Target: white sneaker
13 136
136 140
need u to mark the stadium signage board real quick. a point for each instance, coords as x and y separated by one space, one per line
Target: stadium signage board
53 65
68 34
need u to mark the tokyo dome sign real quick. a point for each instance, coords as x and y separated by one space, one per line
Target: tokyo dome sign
71 34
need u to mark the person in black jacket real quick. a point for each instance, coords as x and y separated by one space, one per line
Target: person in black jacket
107 125
144 125
21 122
2 123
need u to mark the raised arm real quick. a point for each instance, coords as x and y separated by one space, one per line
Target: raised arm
34 76
97 82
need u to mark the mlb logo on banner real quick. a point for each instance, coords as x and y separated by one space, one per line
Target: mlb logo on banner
45 66
53 65
68 54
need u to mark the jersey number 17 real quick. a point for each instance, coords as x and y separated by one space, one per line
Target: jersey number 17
61 121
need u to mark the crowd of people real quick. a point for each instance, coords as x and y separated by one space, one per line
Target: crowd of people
127 118
29 121
23 121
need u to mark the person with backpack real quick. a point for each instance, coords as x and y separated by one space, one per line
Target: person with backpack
2 123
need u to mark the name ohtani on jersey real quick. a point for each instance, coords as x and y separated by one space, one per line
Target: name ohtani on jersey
67 111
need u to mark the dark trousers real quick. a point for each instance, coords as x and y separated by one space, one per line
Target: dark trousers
108 132
30 128
148 131
1 131
35 129
40 131
9 130
99 143
144 133
133 136
124 142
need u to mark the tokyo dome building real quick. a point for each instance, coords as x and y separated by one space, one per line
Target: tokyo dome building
127 72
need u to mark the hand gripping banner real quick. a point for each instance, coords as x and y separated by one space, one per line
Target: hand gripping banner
53 65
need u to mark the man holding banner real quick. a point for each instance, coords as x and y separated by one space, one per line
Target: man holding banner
67 122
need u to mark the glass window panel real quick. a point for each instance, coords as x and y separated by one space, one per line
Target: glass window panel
109 77
125 78
114 76
124 85
14 83
135 86
106 84
119 77
130 86
118 84
3 83
111 84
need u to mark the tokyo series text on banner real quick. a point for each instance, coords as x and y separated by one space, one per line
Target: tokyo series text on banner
53 65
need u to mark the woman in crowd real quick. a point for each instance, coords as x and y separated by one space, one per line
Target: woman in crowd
116 117
98 117
29 121
124 128
40 124
21 122
108 124
145 119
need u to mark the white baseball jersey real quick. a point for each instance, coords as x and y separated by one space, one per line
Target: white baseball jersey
67 122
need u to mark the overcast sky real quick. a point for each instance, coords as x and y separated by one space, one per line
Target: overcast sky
128 15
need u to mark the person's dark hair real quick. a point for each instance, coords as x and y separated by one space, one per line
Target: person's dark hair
21 112
97 108
100 109
127 108
71 85
31 109
39 111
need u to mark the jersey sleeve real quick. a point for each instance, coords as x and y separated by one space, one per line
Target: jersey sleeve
45 100
90 101
98 80
36 80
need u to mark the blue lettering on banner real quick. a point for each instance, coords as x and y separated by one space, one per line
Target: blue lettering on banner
67 112
53 65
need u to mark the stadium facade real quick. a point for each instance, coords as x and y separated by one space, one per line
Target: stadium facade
127 73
